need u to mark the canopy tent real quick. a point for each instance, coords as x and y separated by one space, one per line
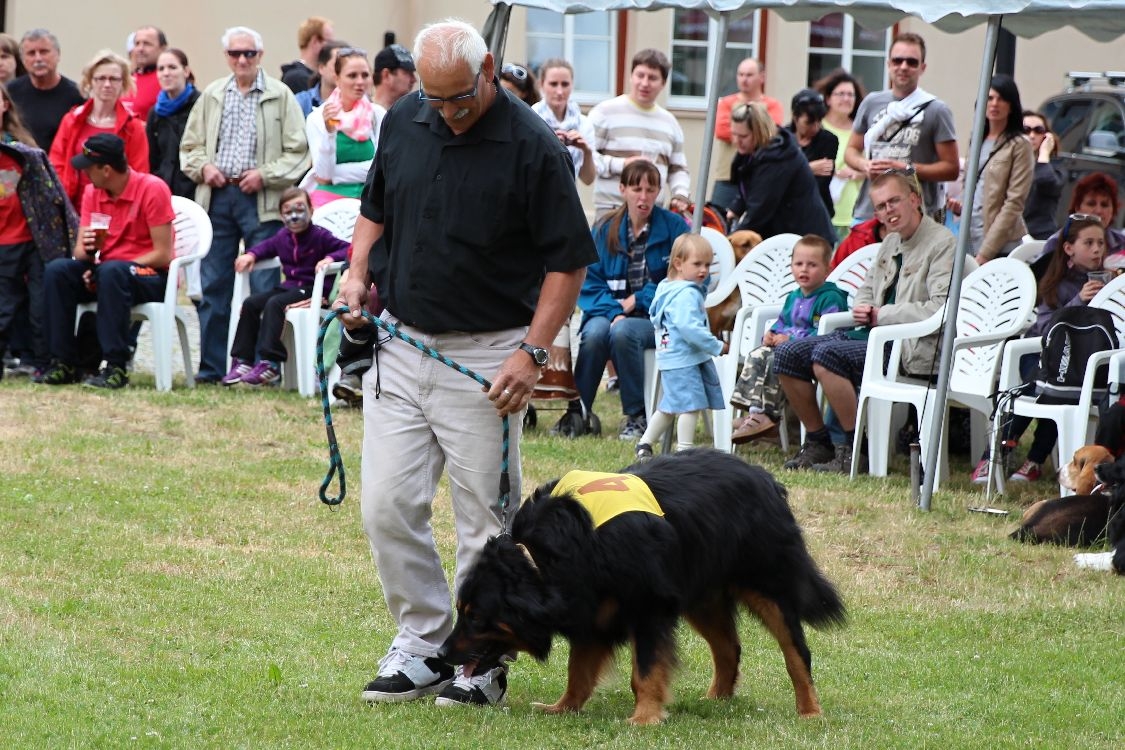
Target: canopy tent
1102 20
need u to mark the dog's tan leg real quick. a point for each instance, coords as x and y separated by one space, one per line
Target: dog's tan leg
583 670
651 691
770 615
716 625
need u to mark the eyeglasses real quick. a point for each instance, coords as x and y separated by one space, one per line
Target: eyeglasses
103 80
1037 129
440 101
844 94
889 204
350 52
910 62
515 71
249 54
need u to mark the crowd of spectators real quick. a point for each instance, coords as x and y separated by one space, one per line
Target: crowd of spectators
238 143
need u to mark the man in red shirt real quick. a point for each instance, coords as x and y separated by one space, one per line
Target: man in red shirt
148 42
130 268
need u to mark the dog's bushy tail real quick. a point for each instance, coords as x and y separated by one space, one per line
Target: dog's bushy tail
820 603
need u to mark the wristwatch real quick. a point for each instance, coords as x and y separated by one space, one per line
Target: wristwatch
538 353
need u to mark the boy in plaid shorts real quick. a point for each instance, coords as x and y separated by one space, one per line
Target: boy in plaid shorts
758 390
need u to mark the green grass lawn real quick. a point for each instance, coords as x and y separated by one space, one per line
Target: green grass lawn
168 578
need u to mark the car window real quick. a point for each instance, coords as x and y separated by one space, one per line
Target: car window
1067 117
1106 134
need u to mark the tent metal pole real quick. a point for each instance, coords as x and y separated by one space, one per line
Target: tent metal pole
709 125
941 394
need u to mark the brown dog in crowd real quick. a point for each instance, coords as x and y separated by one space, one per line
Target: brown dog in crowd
721 316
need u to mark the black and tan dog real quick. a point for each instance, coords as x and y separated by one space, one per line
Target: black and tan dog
698 535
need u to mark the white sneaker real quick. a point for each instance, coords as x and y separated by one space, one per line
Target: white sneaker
404 677
487 689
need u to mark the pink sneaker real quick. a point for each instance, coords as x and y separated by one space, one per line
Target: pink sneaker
264 373
1029 472
980 474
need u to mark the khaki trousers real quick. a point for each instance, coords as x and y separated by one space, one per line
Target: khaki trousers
429 418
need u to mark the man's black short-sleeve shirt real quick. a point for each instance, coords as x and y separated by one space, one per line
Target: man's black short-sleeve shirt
471 222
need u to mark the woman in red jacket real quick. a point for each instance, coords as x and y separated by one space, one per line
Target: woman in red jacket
105 80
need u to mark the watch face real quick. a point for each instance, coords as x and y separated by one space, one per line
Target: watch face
540 356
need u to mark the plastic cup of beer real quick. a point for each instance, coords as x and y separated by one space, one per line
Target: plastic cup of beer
100 224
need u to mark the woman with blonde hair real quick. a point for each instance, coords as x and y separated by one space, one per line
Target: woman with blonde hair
105 79
777 191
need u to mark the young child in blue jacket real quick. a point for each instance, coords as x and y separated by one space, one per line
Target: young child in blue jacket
684 345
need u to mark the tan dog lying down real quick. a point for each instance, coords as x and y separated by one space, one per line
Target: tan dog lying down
721 316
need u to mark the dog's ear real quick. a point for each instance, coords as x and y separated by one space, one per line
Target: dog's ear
1112 473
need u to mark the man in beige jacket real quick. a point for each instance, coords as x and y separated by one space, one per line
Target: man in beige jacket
908 282
244 144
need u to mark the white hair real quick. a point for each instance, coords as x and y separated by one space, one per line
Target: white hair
234 31
449 42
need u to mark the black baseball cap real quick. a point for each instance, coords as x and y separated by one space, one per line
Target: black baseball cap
102 148
394 57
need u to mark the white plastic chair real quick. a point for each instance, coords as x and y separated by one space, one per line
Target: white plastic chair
1075 422
722 260
1028 250
191 241
302 323
996 300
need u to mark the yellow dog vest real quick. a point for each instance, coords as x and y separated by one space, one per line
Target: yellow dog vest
607 496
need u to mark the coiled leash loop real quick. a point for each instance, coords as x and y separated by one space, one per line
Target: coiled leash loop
336 463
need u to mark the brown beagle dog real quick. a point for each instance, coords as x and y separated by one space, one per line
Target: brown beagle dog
1078 475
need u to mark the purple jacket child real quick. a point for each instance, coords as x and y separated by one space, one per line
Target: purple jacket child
299 253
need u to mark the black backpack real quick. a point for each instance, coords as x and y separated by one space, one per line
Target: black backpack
1072 336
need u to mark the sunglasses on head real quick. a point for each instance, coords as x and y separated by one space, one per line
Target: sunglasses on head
1091 218
1037 129
908 171
741 113
350 52
910 62
249 54
515 71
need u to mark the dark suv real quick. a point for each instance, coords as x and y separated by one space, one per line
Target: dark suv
1089 120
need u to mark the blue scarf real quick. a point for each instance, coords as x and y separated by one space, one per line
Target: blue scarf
166 106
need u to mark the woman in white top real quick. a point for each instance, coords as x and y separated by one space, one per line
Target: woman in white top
556 79
342 132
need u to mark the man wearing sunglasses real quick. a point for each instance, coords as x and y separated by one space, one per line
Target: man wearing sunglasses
243 145
478 244
904 126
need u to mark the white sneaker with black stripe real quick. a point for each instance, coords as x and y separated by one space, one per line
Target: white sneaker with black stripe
487 689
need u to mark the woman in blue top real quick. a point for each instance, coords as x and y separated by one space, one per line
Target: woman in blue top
684 345
634 242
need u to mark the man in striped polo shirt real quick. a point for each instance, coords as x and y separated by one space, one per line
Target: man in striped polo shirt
633 126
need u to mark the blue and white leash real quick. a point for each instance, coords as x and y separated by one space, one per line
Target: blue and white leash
336 463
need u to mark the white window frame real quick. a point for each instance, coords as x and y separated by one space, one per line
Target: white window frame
568 36
712 44
847 51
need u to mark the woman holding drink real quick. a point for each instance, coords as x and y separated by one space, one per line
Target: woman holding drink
342 132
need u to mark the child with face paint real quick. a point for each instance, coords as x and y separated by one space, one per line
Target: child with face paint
303 248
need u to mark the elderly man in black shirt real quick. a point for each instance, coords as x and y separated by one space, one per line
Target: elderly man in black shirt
478 244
